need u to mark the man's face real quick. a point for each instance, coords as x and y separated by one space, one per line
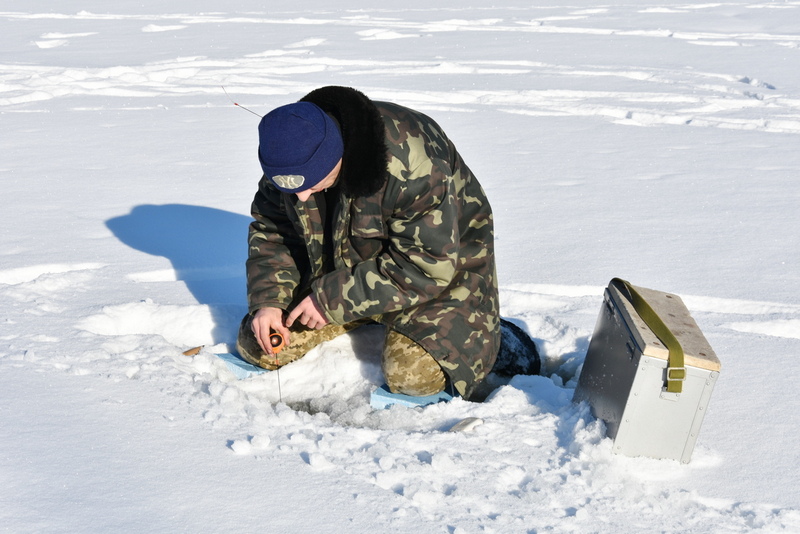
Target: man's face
323 184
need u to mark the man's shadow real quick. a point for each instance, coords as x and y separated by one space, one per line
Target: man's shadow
207 248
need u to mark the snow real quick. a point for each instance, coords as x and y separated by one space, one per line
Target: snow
655 141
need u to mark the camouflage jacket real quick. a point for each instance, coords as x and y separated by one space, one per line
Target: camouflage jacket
412 233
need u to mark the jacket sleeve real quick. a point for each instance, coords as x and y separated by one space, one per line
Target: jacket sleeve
274 266
418 261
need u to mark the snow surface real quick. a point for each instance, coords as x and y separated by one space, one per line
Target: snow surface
655 140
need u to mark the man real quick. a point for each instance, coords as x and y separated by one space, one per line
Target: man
366 212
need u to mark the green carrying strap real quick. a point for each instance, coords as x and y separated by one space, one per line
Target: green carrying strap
676 371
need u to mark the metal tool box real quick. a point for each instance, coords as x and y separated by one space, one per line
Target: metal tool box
625 372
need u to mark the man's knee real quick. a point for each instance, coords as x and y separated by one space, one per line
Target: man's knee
409 369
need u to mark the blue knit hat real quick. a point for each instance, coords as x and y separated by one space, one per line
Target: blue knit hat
299 145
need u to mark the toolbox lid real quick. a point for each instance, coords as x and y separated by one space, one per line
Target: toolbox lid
671 309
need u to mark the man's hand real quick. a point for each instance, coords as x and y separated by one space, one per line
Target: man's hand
308 314
265 320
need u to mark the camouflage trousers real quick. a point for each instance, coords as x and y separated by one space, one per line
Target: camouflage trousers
407 367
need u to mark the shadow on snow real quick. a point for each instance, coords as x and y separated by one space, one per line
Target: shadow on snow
207 248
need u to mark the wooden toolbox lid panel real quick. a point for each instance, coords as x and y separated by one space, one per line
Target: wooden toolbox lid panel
672 310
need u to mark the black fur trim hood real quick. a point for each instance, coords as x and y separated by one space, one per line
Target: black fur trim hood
365 152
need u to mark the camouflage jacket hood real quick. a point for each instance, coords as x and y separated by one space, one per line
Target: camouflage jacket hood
412 234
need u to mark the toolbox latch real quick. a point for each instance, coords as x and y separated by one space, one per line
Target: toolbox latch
668 395
674 374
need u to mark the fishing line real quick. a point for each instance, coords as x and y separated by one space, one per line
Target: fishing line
239 105
277 344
